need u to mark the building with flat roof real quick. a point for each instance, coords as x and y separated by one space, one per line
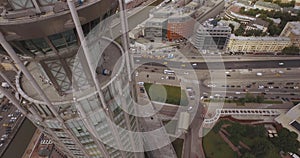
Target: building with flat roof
257 24
180 24
261 5
257 44
233 13
212 35
81 114
291 120
292 30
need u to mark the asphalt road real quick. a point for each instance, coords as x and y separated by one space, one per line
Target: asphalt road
220 65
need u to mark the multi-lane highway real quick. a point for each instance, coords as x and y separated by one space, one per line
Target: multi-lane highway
221 65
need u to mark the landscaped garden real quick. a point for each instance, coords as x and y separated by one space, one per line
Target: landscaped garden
166 94
232 139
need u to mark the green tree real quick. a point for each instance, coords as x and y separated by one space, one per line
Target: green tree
286 141
292 50
259 98
240 31
248 155
261 147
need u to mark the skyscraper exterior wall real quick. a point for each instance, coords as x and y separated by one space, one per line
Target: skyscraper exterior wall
80 120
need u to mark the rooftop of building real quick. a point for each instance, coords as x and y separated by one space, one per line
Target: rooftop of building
244 2
259 21
296 27
265 38
111 59
212 23
267 5
156 20
291 120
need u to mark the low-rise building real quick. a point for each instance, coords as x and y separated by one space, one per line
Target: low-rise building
292 30
261 5
233 13
291 120
180 24
212 35
233 23
258 24
257 44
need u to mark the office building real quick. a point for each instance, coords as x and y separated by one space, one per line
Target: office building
60 95
156 27
292 30
212 35
180 24
257 44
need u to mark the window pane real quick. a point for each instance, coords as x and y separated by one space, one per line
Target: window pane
70 37
41 44
58 41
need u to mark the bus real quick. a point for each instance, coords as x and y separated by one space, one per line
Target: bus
169 72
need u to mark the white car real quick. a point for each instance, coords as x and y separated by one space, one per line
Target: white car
237 92
190 108
14 118
281 64
211 85
260 87
259 74
195 64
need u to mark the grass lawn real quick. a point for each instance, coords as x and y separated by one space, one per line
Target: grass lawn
178 145
166 94
215 147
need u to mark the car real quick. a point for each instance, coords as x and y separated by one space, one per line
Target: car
261 87
10 115
14 118
237 92
211 85
194 64
281 64
271 87
190 108
5 125
296 87
259 74
1 144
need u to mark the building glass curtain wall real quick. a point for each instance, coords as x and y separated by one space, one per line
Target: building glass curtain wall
76 120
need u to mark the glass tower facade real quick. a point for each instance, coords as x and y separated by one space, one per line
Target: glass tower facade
81 120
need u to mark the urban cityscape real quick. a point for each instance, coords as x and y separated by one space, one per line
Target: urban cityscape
150 79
